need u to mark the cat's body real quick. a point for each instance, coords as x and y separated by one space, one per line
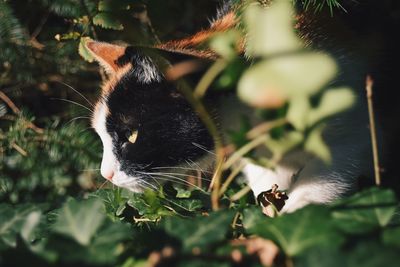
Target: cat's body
148 127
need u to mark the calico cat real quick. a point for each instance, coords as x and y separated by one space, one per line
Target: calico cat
148 128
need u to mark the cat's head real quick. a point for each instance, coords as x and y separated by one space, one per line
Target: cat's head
145 124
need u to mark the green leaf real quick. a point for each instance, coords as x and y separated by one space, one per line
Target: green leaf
298 231
200 231
270 30
333 101
225 44
83 50
298 111
366 211
391 237
316 145
80 220
272 81
107 21
17 220
113 5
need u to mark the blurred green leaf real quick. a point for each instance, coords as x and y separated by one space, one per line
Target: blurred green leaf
333 102
365 211
80 219
16 220
297 113
272 81
270 30
316 145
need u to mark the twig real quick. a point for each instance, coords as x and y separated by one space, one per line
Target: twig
17 111
244 150
83 4
230 178
368 87
209 77
265 127
19 149
242 192
9 103
212 129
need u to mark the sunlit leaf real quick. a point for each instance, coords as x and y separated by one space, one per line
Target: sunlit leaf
83 50
271 82
316 145
333 101
270 30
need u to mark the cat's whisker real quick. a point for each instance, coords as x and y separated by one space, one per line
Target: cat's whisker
76 118
181 168
178 181
79 93
102 185
72 102
203 148
176 174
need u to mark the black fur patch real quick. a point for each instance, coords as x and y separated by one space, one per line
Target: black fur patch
166 123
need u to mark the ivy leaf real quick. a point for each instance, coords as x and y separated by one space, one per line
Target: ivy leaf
107 21
80 219
365 211
200 231
298 231
15 221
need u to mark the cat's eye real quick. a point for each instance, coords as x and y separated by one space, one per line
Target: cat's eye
132 136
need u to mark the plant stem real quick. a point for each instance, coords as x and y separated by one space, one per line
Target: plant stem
209 77
368 87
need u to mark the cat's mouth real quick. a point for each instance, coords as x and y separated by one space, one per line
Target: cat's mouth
191 175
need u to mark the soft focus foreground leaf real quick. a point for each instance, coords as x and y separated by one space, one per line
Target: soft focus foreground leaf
295 232
333 101
200 231
80 219
316 145
17 220
270 30
391 237
272 81
366 211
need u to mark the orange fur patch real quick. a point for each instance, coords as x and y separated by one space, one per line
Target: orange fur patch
188 45
109 85
106 54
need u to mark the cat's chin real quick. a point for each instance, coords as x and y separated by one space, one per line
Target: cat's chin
123 180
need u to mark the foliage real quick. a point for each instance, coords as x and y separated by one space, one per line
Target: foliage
56 210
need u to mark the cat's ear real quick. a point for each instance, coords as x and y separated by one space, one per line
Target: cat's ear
106 54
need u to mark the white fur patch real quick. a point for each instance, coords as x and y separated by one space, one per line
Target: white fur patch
110 168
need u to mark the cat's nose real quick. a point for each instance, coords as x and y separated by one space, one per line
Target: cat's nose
108 174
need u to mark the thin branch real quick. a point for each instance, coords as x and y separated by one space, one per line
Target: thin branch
209 77
369 84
